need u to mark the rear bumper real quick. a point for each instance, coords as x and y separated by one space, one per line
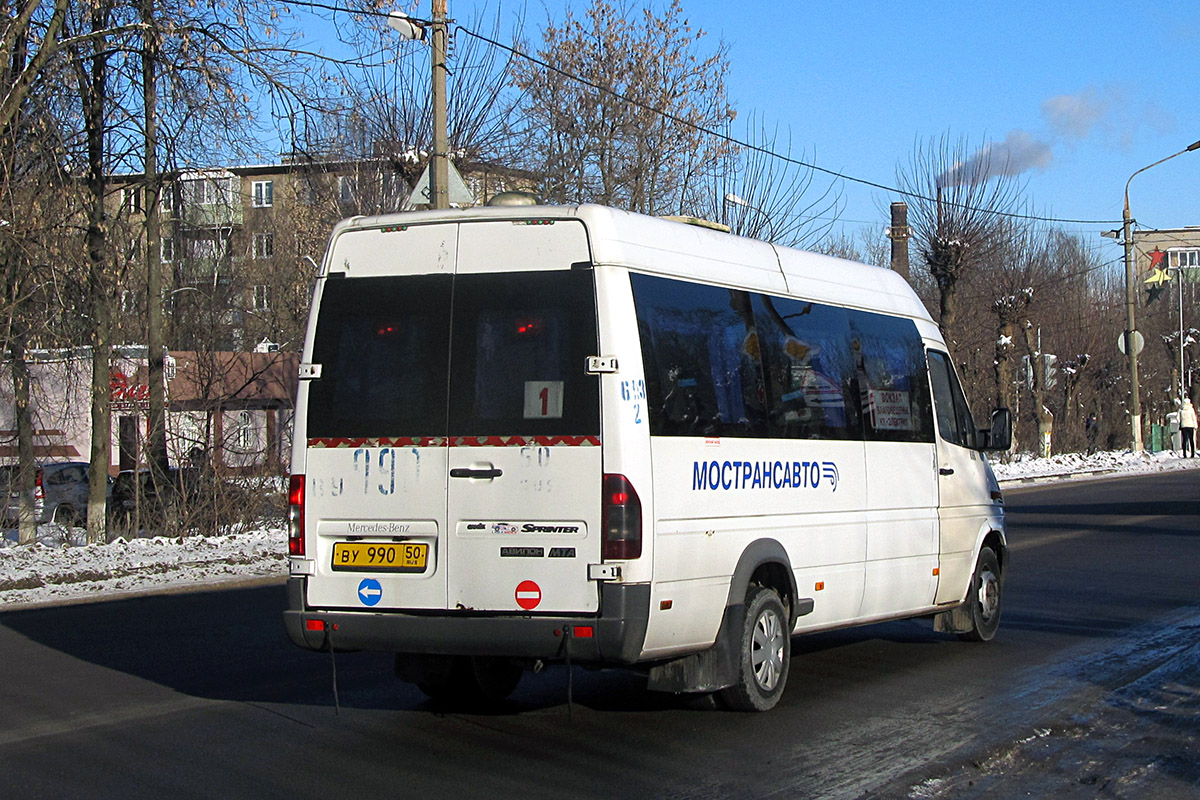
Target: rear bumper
618 631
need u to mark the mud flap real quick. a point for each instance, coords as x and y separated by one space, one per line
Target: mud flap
956 620
709 670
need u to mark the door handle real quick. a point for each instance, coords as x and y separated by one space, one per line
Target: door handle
942 471
475 473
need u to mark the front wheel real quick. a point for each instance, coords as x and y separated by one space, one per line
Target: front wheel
984 598
765 654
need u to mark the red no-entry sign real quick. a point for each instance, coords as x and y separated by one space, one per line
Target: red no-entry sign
529 594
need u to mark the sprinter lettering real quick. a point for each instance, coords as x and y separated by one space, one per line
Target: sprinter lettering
529 527
735 475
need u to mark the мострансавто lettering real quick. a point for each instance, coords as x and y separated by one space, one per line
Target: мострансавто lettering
727 475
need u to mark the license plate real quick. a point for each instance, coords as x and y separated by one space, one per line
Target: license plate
380 556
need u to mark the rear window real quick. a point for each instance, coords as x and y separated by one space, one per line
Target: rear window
382 345
496 354
519 355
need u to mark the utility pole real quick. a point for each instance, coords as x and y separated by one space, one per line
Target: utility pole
1135 405
416 30
440 174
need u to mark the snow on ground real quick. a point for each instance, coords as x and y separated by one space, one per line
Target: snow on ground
1025 466
60 567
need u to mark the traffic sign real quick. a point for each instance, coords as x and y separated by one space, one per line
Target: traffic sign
1138 342
370 592
529 594
459 194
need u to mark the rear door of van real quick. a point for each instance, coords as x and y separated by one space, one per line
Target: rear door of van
454 458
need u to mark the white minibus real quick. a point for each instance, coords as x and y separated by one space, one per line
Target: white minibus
531 434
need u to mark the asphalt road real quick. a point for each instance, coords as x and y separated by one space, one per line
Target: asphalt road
201 695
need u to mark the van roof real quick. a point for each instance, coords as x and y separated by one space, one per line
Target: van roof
667 247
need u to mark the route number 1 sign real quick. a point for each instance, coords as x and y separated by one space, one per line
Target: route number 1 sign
543 399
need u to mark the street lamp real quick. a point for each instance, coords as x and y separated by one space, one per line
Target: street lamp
1135 405
734 200
415 29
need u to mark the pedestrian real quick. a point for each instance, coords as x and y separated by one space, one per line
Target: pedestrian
1187 427
1092 428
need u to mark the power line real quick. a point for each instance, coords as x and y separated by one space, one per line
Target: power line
717 134
765 150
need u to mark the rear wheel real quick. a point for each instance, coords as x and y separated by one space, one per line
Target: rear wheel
467 680
765 654
495 678
984 598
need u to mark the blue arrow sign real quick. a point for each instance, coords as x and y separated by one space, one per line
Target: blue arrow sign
370 592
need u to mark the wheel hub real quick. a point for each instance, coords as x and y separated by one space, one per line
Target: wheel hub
989 594
767 653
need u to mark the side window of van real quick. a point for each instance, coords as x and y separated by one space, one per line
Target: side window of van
700 348
893 387
811 391
954 416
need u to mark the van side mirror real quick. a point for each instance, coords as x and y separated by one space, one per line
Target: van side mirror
999 436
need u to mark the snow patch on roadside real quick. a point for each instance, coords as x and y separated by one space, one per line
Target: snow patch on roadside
1025 466
61 566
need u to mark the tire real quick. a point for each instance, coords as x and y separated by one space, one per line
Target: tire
985 598
64 514
764 654
495 678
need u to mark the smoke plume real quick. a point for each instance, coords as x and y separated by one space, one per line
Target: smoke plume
1019 152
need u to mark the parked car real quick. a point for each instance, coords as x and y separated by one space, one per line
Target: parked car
132 491
66 489
10 490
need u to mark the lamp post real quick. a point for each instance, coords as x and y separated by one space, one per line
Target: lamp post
1135 405
409 28
734 200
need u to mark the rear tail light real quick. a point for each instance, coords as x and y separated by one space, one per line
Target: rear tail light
39 491
295 520
622 518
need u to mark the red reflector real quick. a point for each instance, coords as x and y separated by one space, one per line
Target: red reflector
583 632
314 624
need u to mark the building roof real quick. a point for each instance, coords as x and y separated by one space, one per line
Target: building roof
233 379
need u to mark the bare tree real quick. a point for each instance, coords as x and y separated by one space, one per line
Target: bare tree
381 114
760 190
619 117
958 196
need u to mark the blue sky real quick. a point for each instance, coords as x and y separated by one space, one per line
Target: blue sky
1101 89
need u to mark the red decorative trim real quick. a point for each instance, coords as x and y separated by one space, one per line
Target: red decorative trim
460 441
525 441
397 441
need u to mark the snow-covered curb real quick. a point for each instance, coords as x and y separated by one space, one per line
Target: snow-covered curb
59 568
1026 468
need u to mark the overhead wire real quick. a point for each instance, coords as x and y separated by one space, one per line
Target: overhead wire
713 133
766 150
